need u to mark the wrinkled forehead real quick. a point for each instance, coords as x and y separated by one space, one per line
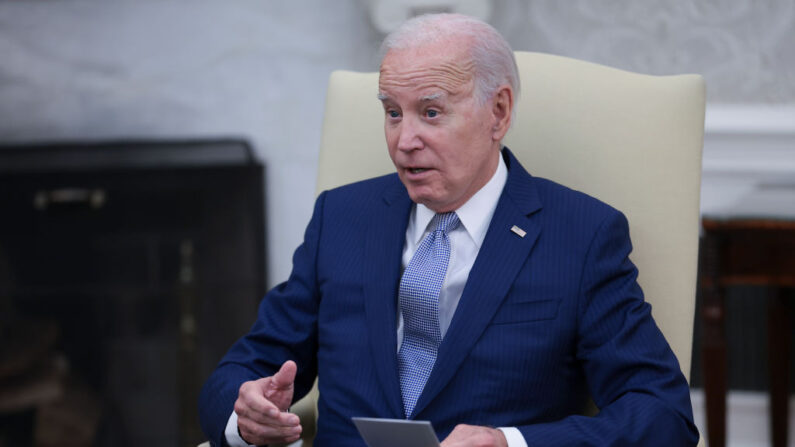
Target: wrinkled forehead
426 69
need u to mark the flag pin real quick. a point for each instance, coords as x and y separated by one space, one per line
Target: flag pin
518 231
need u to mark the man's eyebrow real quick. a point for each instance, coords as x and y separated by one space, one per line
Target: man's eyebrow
431 97
382 97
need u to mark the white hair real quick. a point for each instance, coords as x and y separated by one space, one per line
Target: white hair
494 63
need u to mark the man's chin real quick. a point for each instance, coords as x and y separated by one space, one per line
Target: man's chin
426 196
436 205
423 199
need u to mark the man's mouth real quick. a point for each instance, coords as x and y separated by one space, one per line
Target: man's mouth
417 170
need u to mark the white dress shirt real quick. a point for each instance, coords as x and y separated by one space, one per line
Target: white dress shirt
465 241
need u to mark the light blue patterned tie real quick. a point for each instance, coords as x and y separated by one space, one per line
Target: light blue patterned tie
419 303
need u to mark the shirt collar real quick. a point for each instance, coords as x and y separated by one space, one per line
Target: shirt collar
475 215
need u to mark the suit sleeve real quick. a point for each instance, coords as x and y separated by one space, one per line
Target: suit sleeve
285 329
633 376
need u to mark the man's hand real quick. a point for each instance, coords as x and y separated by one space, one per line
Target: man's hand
475 436
262 405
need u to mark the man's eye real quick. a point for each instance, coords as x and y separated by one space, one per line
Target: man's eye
393 114
432 113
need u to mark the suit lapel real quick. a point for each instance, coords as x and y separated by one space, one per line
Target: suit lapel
501 256
386 235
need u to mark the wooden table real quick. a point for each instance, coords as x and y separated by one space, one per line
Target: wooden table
754 252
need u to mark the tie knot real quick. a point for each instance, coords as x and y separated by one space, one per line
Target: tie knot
445 222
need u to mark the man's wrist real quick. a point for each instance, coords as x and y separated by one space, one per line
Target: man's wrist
232 433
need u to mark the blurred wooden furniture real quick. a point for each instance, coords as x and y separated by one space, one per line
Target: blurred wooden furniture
149 256
748 251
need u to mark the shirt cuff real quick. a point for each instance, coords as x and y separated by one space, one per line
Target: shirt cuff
513 436
233 437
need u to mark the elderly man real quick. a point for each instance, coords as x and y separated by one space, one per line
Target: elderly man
461 290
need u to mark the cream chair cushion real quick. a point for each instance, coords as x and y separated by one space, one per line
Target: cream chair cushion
631 140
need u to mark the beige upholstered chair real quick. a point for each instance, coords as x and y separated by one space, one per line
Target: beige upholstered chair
631 140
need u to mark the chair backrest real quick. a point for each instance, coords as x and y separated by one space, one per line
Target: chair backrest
631 140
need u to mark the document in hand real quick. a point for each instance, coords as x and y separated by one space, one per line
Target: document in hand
396 432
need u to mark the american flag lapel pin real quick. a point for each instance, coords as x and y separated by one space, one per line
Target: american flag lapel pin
518 231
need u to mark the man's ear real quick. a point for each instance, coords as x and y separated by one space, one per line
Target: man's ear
502 106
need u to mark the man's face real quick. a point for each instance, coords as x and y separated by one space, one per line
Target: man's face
440 139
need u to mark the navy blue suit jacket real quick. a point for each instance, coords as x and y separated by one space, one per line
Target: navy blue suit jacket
544 321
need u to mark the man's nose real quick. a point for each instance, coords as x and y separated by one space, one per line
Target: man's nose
409 138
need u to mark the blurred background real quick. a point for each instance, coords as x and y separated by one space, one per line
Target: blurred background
158 161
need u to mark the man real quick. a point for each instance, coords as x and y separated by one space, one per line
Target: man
461 290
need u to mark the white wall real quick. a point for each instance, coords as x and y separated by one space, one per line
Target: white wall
744 50
93 69
79 70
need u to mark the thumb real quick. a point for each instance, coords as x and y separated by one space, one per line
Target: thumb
284 378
